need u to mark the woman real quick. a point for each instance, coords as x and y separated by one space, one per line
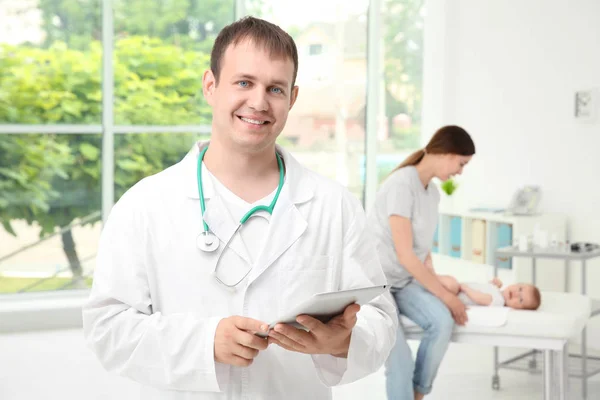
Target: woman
404 218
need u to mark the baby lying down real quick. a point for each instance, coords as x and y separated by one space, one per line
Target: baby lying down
521 296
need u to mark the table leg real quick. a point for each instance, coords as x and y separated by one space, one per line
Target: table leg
583 338
496 377
561 374
548 372
533 361
567 276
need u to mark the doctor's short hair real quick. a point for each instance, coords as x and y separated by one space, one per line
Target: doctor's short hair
277 42
449 139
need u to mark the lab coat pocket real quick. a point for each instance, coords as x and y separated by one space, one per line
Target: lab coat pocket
302 276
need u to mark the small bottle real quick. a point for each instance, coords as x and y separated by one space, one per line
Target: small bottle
567 246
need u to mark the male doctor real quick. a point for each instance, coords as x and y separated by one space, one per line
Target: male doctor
179 294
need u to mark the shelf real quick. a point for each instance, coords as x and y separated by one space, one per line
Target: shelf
547 253
487 216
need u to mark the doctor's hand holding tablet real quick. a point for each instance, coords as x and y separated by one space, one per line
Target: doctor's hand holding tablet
332 337
238 340
322 324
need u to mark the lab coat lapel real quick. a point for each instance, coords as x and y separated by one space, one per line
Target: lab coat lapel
287 222
286 227
220 222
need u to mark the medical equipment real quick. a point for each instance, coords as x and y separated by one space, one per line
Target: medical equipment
584 247
207 241
525 201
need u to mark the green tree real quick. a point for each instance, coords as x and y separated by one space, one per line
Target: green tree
75 22
403 46
28 164
55 179
189 23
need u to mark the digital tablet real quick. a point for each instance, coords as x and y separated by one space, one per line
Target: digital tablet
325 306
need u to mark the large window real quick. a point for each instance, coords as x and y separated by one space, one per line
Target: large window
326 127
51 77
55 119
50 62
400 131
50 73
162 48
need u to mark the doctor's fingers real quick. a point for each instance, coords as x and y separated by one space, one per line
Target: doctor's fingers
313 325
238 361
348 319
284 346
350 315
287 342
250 340
244 352
249 324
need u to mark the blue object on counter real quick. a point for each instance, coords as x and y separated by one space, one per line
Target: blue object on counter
455 236
436 240
505 239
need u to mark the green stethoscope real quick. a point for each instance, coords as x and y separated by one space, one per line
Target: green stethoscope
207 241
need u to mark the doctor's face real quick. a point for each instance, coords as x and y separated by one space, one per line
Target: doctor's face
252 99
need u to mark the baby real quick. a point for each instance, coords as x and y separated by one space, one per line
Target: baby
521 296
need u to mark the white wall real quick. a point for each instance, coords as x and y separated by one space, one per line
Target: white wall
506 71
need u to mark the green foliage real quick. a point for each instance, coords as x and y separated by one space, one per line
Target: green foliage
54 179
186 23
449 186
159 84
75 22
406 138
403 44
28 166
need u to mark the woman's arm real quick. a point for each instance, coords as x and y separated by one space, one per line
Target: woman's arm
429 263
403 242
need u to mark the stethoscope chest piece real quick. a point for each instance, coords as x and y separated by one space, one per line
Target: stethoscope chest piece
207 241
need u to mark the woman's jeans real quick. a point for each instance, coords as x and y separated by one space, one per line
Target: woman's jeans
403 377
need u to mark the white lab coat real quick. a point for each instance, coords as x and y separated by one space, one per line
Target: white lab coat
155 304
